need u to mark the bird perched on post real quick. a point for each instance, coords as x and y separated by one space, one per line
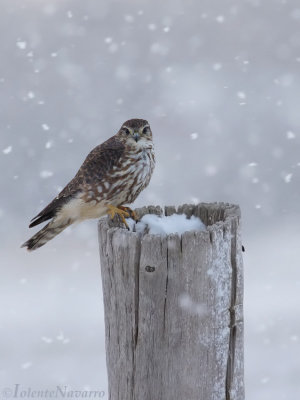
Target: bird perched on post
113 174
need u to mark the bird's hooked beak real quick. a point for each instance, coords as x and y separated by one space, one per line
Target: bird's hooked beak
136 136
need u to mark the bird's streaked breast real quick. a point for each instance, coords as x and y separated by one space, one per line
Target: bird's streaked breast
123 183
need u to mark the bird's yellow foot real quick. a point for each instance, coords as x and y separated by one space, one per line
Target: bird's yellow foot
130 212
112 211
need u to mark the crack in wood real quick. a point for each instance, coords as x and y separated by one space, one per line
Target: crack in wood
166 290
232 326
137 268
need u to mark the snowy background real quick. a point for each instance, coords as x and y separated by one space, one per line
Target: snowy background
219 83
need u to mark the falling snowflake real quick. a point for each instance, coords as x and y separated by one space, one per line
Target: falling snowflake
7 150
21 44
220 19
45 127
194 136
241 95
46 174
48 144
191 306
287 178
290 135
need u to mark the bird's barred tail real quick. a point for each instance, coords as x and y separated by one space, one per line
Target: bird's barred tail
47 233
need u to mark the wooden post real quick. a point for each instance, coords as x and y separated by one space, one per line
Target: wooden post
174 308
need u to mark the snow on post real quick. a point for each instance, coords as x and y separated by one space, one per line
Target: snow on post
173 304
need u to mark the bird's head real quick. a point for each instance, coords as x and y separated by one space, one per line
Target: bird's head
136 133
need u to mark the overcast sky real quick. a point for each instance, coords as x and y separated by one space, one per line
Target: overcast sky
219 83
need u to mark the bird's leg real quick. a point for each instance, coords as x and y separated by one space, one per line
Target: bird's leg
131 213
112 211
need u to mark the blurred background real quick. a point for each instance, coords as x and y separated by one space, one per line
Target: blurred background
219 83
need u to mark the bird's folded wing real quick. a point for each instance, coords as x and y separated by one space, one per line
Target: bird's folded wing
98 162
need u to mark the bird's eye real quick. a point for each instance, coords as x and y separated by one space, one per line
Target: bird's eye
146 130
127 131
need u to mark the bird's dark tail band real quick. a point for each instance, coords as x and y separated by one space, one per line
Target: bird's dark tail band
47 233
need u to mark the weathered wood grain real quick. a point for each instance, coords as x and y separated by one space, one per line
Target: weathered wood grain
174 308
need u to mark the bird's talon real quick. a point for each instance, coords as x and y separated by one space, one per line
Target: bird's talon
121 212
130 212
124 220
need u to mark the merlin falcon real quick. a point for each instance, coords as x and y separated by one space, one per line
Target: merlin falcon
113 175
